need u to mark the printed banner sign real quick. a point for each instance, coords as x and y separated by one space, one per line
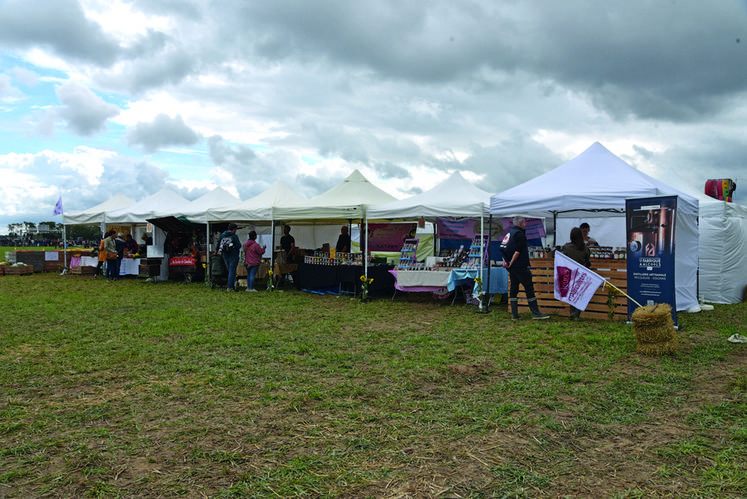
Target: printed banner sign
574 283
650 235
464 228
389 237
535 227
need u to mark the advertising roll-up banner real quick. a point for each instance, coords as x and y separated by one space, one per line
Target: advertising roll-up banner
650 231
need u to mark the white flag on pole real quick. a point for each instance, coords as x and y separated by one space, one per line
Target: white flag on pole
574 283
58 207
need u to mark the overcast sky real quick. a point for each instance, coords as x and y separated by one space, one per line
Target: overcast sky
105 96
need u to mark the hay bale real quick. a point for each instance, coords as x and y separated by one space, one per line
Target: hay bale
654 329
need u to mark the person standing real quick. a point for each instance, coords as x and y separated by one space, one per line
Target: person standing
110 247
516 261
288 243
343 240
229 246
578 251
102 254
585 233
252 258
120 243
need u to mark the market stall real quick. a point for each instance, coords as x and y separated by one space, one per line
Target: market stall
595 185
343 278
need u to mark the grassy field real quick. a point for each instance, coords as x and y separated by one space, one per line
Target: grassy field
135 389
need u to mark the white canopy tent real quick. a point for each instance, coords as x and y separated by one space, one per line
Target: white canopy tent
258 208
454 197
348 200
596 184
722 262
97 214
161 204
723 251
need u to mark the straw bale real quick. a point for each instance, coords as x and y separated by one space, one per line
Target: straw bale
654 329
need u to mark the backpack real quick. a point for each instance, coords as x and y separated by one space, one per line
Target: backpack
226 245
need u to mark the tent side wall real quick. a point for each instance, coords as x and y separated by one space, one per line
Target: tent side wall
723 253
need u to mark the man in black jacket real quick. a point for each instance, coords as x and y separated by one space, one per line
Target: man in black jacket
229 246
516 261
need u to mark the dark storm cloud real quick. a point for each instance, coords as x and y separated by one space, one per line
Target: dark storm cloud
389 170
85 112
163 131
360 145
58 25
665 60
152 71
505 164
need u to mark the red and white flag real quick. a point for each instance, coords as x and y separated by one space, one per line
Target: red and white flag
574 283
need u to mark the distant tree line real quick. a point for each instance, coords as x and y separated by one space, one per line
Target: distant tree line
30 233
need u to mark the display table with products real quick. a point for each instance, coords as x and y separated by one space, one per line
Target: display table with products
498 279
420 280
448 279
129 266
343 278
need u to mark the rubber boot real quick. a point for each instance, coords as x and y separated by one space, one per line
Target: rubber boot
536 314
575 314
514 302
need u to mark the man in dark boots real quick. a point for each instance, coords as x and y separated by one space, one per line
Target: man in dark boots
516 261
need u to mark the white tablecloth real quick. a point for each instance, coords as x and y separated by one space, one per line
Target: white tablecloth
427 279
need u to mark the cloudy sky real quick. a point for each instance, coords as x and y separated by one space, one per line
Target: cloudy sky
105 96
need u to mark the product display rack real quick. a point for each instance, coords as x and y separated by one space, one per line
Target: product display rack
478 252
407 255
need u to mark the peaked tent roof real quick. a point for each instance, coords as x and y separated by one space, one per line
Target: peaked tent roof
97 214
454 197
197 210
259 207
347 200
596 179
163 203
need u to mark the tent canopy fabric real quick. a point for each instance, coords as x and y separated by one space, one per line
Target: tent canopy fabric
163 203
348 200
454 197
598 180
723 252
594 180
97 214
258 208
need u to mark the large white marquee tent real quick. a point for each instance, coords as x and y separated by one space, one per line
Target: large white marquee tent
97 214
596 184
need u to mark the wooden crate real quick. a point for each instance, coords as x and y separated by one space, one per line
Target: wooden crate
149 270
543 272
82 270
19 270
52 266
2 269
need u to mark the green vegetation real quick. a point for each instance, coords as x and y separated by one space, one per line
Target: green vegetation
148 390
